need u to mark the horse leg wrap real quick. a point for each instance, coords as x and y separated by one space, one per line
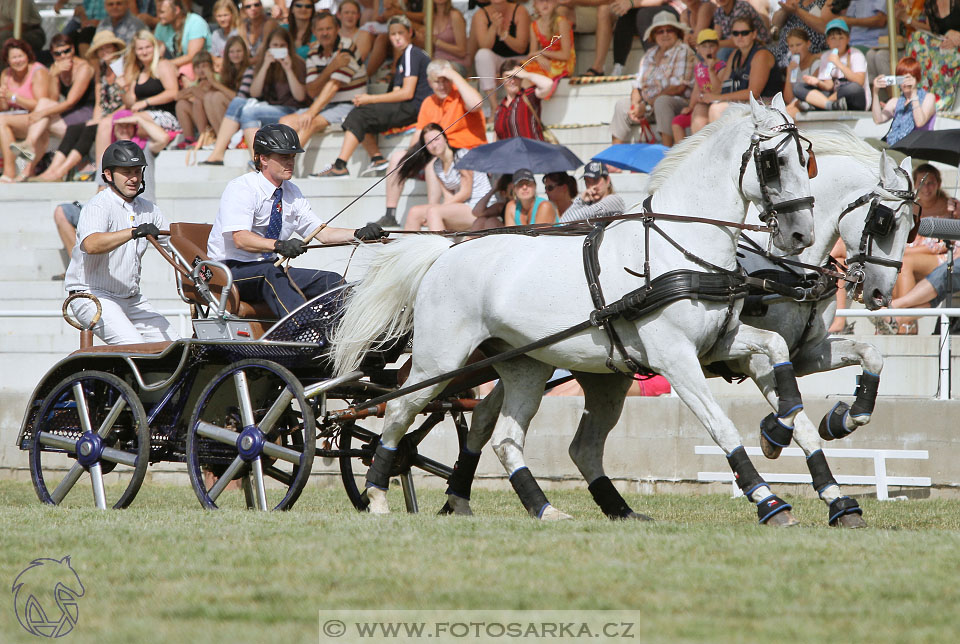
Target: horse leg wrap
532 497
787 390
461 480
378 475
834 424
771 506
748 479
775 431
867 388
608 498
843 505
820 471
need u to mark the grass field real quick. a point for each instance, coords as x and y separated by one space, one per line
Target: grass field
166 571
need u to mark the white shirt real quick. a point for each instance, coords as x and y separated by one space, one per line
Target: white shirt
245 205
117 272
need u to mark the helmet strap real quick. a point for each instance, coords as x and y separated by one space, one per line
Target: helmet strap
113 186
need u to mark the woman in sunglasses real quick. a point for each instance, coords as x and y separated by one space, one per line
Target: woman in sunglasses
751 69
70 79
298 23
254 24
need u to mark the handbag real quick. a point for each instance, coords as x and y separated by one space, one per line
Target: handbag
645 133
548 136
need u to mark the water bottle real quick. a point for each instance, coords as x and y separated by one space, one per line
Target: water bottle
795 72
830 65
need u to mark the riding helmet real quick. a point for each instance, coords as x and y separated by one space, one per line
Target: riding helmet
276 138
123 154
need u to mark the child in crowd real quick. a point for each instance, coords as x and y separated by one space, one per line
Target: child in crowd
227 17
705 72
552 32
190 112
802 63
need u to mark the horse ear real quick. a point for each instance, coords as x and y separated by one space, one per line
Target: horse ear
757 109
778 103
884 166
907 165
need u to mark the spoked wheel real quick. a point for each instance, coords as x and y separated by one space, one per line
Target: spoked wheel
358 446
251 424
92 422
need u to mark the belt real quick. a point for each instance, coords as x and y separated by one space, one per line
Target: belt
75 292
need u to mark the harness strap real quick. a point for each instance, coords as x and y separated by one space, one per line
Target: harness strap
591 268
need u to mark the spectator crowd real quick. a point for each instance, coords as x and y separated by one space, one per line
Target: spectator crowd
207 75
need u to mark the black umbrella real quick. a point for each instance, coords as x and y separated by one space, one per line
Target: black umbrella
942 146
509 155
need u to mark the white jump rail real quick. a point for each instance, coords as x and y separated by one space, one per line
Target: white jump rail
879 478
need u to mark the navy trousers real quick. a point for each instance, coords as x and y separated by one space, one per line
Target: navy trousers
264 282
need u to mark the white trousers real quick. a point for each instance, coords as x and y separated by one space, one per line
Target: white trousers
124 320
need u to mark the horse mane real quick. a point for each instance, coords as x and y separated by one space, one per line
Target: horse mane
679 153
842 141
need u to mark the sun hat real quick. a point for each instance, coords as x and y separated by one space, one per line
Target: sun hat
706 35
102 39
837 23
665 19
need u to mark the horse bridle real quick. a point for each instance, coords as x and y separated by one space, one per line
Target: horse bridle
767 163
878 224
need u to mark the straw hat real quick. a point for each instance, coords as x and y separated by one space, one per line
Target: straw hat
665 19
101 39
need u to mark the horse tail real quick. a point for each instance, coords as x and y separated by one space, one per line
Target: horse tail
380 307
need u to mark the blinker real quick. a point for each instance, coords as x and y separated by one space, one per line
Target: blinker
881 220
769 166
811 164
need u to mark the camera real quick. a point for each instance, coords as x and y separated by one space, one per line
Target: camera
894 80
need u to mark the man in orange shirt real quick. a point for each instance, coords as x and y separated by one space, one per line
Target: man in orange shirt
452 97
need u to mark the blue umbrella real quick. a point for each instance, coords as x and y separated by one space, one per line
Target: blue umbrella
641 157
509 155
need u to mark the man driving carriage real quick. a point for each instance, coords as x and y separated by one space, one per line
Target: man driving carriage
259 212
111 241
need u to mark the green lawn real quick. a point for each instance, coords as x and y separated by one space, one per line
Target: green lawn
166 571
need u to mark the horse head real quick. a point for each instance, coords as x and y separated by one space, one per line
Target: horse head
775 173
875 230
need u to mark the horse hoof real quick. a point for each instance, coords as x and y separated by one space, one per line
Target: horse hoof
770 450
852 521
378 501
550 513
456 505
783 519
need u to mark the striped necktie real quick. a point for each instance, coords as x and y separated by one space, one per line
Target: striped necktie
276 218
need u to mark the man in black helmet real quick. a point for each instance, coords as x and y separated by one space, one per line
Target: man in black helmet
259 212
106 260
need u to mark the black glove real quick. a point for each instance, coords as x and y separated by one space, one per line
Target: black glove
145 229
289 247
370 232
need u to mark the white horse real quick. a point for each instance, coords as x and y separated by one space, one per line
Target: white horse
504 292
847 177
853 198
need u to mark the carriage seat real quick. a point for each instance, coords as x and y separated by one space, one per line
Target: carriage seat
144 348
190 240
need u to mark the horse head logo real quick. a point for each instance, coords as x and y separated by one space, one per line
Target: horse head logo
45 597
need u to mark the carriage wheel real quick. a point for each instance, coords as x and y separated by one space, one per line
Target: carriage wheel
91 422
251 424
354 439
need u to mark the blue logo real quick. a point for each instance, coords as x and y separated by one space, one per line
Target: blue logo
45 597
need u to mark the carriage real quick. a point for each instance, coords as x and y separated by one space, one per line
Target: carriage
243 403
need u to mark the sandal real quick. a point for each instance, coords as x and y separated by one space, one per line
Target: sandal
211 163
592 73
885 326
